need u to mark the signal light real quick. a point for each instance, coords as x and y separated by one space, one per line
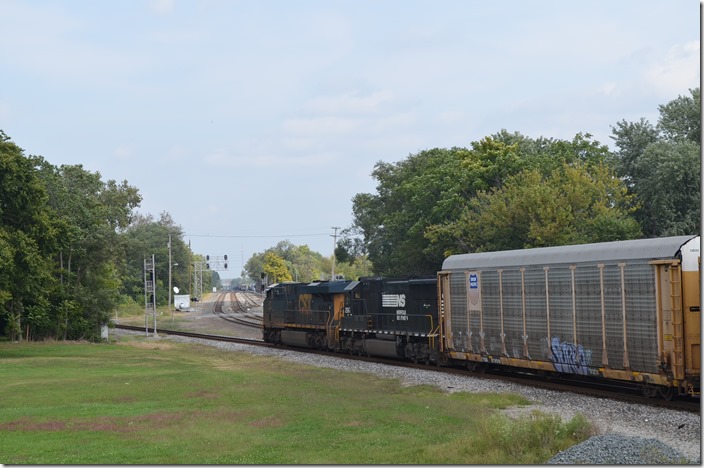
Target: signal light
226 258
207 257
207 266
226 265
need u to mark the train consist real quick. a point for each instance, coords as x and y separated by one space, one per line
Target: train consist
626 310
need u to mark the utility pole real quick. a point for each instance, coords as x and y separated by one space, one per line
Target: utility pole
334 244
172 313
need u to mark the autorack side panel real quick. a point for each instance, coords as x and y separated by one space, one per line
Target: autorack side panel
513 311
491 321
560 300
580 309
536 313
589 323
641 317
457 313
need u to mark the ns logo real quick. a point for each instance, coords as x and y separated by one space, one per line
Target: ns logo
393 300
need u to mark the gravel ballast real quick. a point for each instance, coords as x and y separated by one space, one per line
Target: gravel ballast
627 433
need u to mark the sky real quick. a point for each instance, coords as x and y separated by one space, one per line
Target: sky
256 121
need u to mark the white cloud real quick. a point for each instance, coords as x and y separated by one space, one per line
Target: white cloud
123 152
177 153
227 160
5 113
452 117
399 120
47 42
677 71
162 7
349 103
321 126
608 89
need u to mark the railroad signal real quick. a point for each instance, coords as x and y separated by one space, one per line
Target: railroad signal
216 262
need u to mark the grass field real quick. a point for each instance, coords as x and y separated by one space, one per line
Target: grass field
146 401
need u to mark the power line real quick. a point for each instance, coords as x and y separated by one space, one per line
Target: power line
255 236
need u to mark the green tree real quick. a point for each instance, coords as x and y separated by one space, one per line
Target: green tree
90 214
421 190
302 263
668 188
575 204
431 188
146 237
680 119
661 166
59 246
275 268
27 238
631 139
254 269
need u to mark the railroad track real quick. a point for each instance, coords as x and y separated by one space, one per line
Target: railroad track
229 339
247 319
624 394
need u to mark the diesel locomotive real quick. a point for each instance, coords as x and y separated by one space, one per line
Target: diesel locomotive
625 310
395 318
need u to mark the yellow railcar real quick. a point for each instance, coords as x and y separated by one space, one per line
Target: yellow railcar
626 310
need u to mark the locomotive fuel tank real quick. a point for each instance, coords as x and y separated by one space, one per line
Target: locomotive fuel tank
384 348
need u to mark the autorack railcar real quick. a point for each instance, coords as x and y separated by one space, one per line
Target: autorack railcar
626 310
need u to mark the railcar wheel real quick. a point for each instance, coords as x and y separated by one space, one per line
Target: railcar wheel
668 393
649 391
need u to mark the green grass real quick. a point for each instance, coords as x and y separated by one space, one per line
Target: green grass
141 401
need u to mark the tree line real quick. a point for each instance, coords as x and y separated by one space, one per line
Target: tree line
72 246
509 191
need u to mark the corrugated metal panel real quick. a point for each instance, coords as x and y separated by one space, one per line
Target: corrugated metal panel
613 306
536 314
588 302
660 248
561 314
641 317
513 313
579 331
492 312
459 322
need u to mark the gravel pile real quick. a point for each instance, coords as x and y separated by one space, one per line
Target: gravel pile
614 449
628 433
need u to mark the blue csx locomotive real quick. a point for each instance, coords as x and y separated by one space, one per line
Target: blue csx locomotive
625 310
